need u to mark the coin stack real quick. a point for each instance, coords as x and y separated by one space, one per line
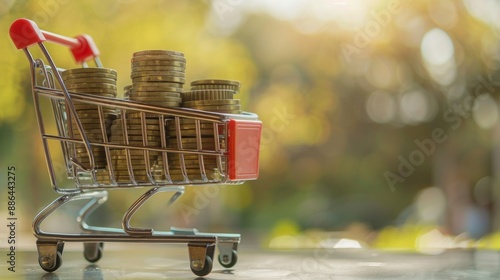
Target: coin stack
158 77
138 163
135 137
207 95
92 81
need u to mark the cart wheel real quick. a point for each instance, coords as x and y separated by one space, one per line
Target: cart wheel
93 251
47 262
207 268
224 259
49 254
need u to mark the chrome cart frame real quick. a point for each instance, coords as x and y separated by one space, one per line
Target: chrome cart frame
236 140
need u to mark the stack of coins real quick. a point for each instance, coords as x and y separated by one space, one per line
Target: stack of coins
158 77
138 164
207 95
215 84
135 137
92 81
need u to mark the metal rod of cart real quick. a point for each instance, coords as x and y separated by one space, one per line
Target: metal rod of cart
234 148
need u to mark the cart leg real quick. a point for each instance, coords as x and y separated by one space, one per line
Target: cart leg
179 191
50 254
228 254
200 258
88 209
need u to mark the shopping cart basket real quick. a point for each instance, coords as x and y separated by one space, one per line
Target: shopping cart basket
234 147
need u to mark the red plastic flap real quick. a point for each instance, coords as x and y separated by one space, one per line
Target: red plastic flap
25 32
244 148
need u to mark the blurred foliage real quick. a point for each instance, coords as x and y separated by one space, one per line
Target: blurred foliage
344 89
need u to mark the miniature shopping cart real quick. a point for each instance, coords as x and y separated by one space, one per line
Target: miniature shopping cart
236 138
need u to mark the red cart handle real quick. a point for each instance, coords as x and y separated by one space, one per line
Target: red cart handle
25 32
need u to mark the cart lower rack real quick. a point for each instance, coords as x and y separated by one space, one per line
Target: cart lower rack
228 154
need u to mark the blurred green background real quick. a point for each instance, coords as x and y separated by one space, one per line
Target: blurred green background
381 120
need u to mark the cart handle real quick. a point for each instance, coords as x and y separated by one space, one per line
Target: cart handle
25 32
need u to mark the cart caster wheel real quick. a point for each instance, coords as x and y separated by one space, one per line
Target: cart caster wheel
93 251
224 259
207 268
47 263
49 254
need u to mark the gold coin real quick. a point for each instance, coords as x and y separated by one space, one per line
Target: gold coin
88 122
156 85
86 126
140 138
91 86
193 140
136 143
159 78
88 114
138 131
157 73
138 162
93 137
89 131
156 62
150 128
89 75
120 160
158 89
137 115
79 149
159 94
133 120
215 82
157 52
136 172
106 93
68 81
192 146
157 68
101 160
193 163
167 57
177 156
97 164
159 103
211 102
89 70
191 132
171 126
190 121
208 95
83 106
132 152
150 99
94 111
236 89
